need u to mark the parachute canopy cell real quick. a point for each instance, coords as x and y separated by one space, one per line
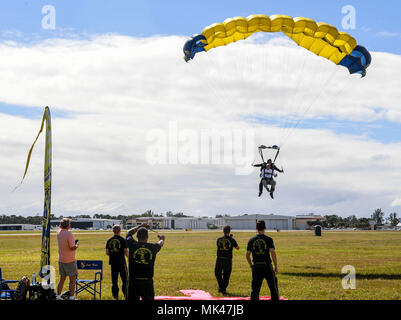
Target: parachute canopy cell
320 38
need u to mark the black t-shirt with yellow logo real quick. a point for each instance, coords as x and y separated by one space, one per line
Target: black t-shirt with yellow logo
142 256
259 245
225 246
116 246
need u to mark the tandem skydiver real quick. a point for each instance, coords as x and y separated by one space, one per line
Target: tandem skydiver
267 173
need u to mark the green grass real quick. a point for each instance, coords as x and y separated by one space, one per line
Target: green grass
309 266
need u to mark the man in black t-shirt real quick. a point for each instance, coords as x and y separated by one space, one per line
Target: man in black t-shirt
142 256
222 270
116 249
261 246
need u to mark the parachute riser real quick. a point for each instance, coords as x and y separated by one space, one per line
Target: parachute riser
273 147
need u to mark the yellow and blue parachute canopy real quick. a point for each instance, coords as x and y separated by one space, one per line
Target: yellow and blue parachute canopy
322 39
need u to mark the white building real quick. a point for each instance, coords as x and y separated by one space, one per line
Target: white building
190 223
244 222
194 223
88 223
248 222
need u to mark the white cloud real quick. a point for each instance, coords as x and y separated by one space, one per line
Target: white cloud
396 202
119 88
387 34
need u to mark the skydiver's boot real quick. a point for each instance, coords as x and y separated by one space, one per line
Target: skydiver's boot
260 187
272 188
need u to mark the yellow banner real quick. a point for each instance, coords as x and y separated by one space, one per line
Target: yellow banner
45 252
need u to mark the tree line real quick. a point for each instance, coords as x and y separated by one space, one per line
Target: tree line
378 216
330 221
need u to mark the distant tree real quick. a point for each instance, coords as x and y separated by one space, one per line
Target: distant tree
378 216
341 223
36 220
180 215
332 220
219 216
393 219
351 221
363 223
123 220
314 223
84 216
148 213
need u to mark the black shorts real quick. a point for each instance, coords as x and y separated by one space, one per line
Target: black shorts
141 288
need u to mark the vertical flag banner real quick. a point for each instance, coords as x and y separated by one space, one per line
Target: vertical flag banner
45 251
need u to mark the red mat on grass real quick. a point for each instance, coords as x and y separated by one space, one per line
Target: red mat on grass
203 295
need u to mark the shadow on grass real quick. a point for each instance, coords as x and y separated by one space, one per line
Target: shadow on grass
368 276
306 267
233 294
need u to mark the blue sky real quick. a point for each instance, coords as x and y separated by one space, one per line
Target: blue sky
377 24
377 28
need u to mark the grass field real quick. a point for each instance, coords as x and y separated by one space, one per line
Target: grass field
309 266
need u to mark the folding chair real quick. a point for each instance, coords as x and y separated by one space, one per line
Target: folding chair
94 287
7 293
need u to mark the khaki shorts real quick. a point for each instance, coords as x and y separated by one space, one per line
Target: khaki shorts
68 269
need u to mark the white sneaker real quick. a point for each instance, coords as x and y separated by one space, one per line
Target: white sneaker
72 298
58 297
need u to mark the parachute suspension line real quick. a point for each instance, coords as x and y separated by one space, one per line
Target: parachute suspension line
281 160
245 64
292 129
249 66
261 154
264 71
212 83
339 87
259 58
282 112
266 67
295 98
306 96
218 88
303 108
277 153
256 62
